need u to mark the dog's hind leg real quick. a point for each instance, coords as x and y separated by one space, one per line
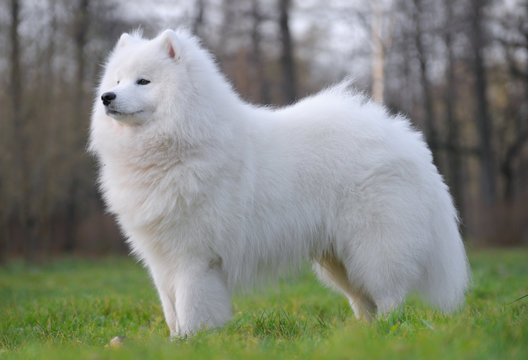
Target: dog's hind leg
332 272
363 307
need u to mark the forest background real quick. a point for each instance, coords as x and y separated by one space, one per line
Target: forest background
457 68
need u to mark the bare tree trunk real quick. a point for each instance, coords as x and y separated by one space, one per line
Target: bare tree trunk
16 77
378 53
429 121
482 116
289 83
256 53
77 121
453 133
4 220
515 149
80 34
20 144
226 29
198 17
507 165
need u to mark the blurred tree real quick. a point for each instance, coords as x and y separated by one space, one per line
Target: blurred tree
77 121
378 52
428 105
20 141
450 95
16 76
289 82
80 34
227 28
482 115
256 53
198 20
513 38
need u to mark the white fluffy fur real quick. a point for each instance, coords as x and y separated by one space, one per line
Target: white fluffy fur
213 192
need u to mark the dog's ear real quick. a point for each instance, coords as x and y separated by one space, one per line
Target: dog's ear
123 40
170 44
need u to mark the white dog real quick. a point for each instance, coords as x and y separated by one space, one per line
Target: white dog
213 192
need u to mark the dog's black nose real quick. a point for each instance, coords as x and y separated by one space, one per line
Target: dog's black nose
107 98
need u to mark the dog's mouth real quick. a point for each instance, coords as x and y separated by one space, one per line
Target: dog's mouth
115 113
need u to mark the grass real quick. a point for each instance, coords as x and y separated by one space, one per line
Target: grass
71 308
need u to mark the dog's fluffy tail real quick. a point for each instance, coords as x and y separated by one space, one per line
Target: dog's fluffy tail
448 272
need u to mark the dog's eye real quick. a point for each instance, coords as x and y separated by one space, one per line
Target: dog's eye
143 82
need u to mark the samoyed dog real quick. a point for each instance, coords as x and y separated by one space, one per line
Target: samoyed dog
213 193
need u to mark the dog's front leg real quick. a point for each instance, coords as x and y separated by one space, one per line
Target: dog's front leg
164 281
202 297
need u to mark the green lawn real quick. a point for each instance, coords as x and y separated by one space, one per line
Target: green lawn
71 308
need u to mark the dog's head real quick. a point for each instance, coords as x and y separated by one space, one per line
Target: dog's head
163 90
142 78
